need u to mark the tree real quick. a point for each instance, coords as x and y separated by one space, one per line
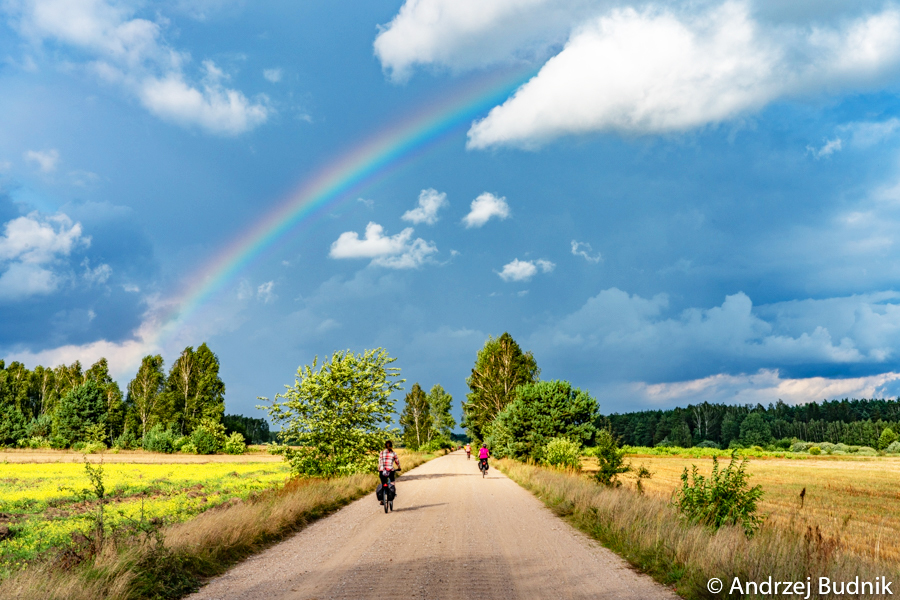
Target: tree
416 418
181 386
338 413
887 438
208 401
500 368
755 431
79 410
541 411
442 421
145 392
115 407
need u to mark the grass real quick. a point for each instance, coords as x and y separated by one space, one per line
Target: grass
853 500
648 532
172 561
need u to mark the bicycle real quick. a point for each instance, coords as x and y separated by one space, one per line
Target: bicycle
388 492
483 466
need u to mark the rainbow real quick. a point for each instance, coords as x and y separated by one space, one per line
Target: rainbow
336 180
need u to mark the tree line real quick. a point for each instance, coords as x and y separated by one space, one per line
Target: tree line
853 422
68 405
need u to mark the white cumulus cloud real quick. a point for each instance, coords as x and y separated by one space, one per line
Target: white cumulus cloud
462 34
524 270
398 251
430 202
484 207
654 71
45 159
130 51
31 248
827 149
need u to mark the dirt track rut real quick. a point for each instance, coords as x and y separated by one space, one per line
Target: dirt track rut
452 536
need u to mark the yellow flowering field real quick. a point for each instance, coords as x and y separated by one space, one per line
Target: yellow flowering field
43 504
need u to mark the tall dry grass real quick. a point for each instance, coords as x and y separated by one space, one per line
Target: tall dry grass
649 533
173 561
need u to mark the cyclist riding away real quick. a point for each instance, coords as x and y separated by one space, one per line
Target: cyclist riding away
387 458
483 456
468 452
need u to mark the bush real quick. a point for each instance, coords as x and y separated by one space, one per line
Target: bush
180 443
209 437
893 448
887 438
815 451
725 498
610 459
93 447
438 443
562 453
188 448
783 443
235 444
708 444
159 439
866 451
126 441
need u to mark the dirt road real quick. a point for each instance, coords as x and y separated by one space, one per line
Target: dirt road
452 536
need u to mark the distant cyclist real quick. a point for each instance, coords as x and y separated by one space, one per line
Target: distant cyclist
468 451
483 456
387 458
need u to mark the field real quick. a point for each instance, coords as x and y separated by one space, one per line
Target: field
43 504
854 501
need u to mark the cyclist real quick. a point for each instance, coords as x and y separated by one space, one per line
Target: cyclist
468 451
483 455
387 458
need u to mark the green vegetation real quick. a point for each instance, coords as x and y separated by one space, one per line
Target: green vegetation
562 453
426 420
776 426
500 368
338 414
610 458
723 498
67 407
541 411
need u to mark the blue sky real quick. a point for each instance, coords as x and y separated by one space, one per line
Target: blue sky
677 202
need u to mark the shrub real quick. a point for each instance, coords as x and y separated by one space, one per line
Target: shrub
866 451
93 447
180 443
188 448
126 441
887 438
209 437
438 443
815 451
235 444
708 444
159 439
560 452
724 498
783 443
610 459
893 448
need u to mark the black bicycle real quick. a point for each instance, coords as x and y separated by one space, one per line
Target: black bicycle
483 466
388 491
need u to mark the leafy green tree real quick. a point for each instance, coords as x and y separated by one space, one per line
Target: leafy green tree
542 411
416 419
681 434
610 459
887 438
442 421
208 401
731 427
338 413
255 431
755 431
115 405
500 368
81 409
145 397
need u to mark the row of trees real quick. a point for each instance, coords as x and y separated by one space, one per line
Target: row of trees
851 422
426 419
67 405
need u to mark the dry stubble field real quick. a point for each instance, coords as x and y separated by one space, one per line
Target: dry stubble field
855 500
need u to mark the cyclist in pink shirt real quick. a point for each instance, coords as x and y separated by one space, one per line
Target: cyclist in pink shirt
483 454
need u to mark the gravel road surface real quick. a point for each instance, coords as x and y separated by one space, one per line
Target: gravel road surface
452 536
